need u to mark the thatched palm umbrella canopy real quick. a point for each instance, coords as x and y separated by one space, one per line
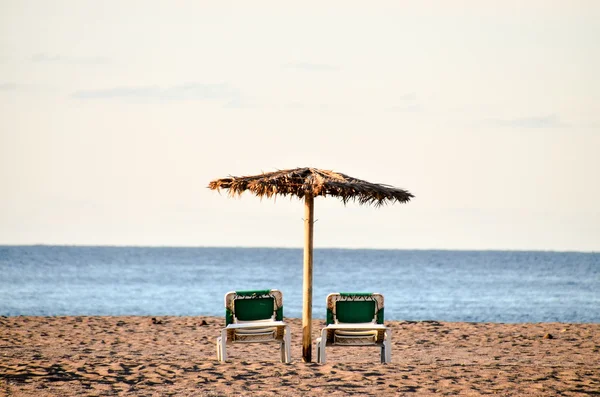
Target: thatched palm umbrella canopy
308 183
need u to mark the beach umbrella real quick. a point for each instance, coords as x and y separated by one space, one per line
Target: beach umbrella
308 183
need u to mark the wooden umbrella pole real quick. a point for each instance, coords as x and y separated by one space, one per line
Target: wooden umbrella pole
308 276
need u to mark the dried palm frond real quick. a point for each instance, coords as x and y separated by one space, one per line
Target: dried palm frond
302 182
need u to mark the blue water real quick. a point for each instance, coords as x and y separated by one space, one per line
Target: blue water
494 286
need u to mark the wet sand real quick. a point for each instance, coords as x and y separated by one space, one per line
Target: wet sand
176 356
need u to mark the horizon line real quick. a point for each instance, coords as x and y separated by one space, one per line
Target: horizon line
296 248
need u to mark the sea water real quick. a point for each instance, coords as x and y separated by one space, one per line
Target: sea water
490 286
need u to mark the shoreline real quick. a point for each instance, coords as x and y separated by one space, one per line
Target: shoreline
314 319
134 355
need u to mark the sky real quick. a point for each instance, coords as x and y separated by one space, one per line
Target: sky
115 116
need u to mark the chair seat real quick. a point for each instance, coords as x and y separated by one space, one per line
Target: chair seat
355 337
255 334
255 331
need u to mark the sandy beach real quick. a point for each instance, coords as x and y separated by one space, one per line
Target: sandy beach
139 356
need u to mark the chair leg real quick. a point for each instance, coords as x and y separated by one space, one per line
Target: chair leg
287 337
319 354
388 345
218 348
321 344
222 340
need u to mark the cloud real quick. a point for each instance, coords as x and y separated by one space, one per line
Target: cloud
20 87
593 124
411 96
549 121
413 107
405 103
402 103
9 86
239 103
312 67
183 92
311 106
65 59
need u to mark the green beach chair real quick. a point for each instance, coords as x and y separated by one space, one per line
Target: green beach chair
254 317
355 319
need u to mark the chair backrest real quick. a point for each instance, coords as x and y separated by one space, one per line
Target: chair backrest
257 305
354 307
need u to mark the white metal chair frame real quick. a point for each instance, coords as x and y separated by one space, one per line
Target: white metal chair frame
256 331
355 334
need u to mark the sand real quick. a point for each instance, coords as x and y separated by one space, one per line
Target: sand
176 356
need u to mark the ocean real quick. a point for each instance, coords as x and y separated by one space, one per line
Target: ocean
473 286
